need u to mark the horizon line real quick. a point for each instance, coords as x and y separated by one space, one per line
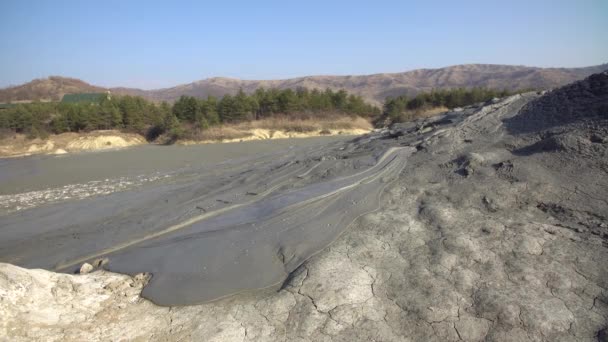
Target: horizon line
297 77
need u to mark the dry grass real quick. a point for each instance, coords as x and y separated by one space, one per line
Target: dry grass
425 113
420 114
222 133
280 127
306 125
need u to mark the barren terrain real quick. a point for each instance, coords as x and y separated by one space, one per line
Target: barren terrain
484 223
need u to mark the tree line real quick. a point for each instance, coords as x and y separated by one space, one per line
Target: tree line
187 114
403 108
264 103
38 119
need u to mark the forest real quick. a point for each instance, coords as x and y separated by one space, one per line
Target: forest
189 115
403 108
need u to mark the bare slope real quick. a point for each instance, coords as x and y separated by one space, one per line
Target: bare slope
46 89
374 88
19 145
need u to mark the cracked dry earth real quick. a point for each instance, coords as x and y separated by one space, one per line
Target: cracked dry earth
490 233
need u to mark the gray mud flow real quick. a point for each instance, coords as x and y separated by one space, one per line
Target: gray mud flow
492 225
205 232
39 172
208 231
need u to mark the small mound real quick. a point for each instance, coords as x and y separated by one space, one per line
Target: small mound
45 147
583 103
572 144
20 145
103 142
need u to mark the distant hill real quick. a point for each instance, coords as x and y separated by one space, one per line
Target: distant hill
47 89
374 88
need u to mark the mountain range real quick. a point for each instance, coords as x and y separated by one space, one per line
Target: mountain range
373 88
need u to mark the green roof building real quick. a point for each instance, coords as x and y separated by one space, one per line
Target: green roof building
6 105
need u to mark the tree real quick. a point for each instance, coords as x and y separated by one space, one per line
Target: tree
263 105
110 115
320 101
394 107
288 101
187 109
132 113
356 106
340 99
225 108
209 110
22 119
237 108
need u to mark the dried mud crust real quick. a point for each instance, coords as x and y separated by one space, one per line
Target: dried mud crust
474 242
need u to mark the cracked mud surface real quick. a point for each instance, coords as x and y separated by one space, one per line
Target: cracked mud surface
476 240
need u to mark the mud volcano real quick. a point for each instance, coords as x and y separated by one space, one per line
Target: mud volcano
487 223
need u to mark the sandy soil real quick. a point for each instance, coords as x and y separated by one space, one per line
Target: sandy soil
283 128
265 134
18 145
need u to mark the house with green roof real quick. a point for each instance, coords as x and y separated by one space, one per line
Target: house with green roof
4 106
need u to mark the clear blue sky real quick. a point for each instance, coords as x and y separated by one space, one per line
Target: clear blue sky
152 44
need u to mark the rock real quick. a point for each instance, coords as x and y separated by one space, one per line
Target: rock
598 139
100 262
471 328
86 268
602 335
426 129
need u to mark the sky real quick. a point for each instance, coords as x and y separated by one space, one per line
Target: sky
154 44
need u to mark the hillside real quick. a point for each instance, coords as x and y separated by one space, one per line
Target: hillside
374 88
46 89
